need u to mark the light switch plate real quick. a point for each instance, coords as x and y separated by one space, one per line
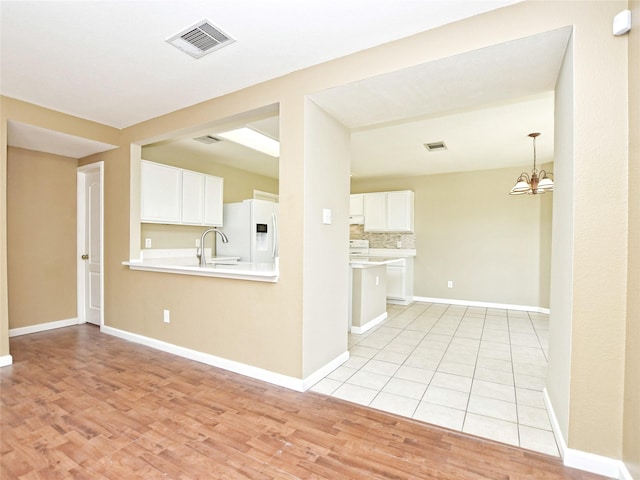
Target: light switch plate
326 216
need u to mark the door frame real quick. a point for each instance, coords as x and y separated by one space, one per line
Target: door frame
81 228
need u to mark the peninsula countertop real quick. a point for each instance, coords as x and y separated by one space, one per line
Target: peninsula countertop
186 263
366 262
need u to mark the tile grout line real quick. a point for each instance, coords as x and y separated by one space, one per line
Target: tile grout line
380 350
475 366
459 318
513 374
421 399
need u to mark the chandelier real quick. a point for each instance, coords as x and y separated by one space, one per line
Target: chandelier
537 182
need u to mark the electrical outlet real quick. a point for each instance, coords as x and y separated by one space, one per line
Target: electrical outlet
450 284
399 244
147 243
377 280
166 316
197 242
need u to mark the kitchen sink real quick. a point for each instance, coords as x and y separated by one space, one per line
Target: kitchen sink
223 260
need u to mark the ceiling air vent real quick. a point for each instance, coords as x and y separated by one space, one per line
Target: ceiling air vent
200 39
207 139
435 146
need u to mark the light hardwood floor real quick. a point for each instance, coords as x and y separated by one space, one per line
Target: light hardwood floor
80 404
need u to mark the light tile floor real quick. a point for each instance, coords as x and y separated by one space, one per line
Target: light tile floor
476 370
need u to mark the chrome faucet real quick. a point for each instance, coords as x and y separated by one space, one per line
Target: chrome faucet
200 251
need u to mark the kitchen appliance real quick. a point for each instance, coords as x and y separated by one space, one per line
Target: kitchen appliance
358 248
252 229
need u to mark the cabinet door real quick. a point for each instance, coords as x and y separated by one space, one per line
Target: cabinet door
160 193
356 204
395 282
193 188
400 211
213 201
375 212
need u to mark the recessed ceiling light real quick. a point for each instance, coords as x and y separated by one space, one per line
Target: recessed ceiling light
435 146
253 139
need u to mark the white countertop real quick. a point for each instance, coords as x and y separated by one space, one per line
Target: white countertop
258 272
392 252
366 262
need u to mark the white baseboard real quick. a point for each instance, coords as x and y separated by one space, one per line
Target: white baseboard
297 384
400 301
588 462
369 325
322 372
624 473
41 327
6 360
472 303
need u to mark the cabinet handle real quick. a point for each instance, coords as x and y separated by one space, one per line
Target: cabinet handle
85 257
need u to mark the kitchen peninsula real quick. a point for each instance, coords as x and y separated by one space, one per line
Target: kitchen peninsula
185 262
368 291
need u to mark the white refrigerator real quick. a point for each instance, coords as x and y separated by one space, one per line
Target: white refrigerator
252 229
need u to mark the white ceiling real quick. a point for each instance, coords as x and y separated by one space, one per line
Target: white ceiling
482 104
22 135
101 61
108 61
223 152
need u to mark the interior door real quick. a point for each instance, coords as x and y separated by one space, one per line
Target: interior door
92 256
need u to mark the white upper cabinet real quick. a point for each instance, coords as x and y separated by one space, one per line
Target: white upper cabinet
400 211
356 209
388 211
174 195
356 204
213 191
160 193
375 212
193 197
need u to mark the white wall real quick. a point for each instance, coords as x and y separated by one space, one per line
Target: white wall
559 369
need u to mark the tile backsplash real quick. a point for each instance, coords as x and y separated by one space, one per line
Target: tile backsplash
382 240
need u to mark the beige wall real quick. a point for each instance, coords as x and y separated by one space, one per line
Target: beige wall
5 355
470 230
599 230
326 261
41 237
369 299
631 453
211 314
44 118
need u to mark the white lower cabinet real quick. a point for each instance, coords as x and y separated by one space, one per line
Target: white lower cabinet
396 281
400 282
